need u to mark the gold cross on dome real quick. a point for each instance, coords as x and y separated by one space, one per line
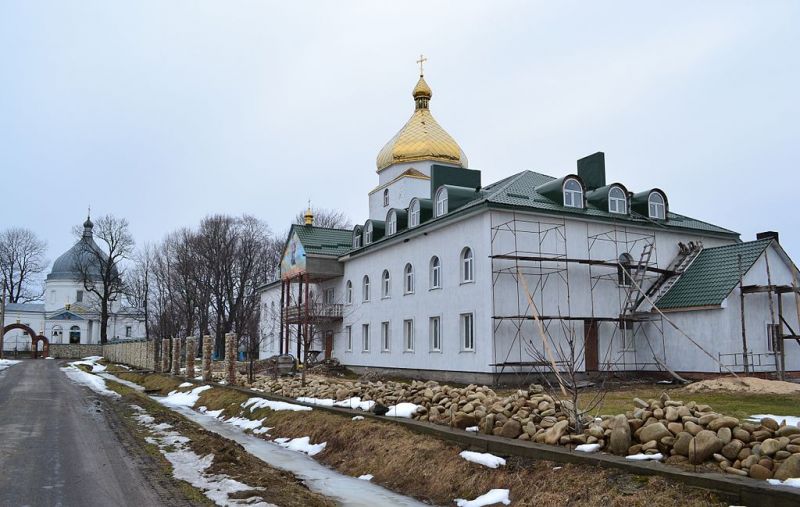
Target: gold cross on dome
421 60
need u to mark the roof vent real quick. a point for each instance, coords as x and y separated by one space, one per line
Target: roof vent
768 235
592 170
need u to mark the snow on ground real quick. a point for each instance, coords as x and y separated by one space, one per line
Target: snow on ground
6 363
795 482
118 380
244 423
588 447
190 467
353 403
791 420
256 403
93 382
493 497
402 410
473 429
358 417
91 362
365 477
179 399
644 457
185 384
483 458
302 444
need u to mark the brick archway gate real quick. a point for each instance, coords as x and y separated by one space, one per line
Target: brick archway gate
35 339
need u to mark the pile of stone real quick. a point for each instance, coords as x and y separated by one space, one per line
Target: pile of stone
688 433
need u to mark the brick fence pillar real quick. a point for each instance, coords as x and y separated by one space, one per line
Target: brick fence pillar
165 357
230 358
208 346
176 356
190 353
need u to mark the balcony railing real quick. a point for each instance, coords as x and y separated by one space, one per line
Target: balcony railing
320 311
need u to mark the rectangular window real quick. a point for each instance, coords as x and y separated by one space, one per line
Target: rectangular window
408 335
128 330
467 332
365 337
329 296
79 297
385 339
774 341
348 331
436 334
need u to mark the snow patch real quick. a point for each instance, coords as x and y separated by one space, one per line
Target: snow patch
244 423
179 399
352 403
494 496
483 458
185 384
93 382
256 403
588 447
7 363
793 482
645 457
91 362
405 410
302 444
473 429
791 420
358 418
365 477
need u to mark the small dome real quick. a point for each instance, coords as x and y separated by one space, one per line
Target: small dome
68 265
421 138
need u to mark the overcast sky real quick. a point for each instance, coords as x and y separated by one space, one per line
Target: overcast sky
166 111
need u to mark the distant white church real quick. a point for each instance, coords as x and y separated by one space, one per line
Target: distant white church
452 278
70 314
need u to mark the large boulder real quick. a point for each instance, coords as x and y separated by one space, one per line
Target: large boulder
463 421
655 431
554 434
760 472
511 429
703 446
620 439
731 449
682 441
723 422
789 468
770 446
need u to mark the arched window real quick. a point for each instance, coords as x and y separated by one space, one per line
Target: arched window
573 193
348 292
408 279
624 269
391 223
617 203
467 265
56 334
414 212
386 197
656 206
365 289
386 282
436 273
441 202
75 334
368 234
357 237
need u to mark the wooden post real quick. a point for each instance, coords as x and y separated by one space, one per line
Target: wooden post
744 332
230 358
165 358
280 339
190 353
776 342
208 347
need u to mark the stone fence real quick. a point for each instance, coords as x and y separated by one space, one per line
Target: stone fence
74 350
139 354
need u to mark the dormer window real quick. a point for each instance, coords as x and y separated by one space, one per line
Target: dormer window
385 197
414 212
357 237
573 193
391 223
656 207
617 202
441 202
368 234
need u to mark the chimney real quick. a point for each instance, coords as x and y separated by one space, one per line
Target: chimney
592 170
768 235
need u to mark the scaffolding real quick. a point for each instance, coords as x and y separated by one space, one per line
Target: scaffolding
531 270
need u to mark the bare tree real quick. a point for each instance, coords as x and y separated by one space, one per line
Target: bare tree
22 261
324 217
99 268
140 284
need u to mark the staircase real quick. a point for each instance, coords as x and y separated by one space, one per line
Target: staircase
637 274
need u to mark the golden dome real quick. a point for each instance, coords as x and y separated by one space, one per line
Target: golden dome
421 138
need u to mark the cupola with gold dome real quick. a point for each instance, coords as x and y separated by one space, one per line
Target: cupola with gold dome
421 138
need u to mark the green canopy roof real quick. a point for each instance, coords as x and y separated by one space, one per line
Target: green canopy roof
322 240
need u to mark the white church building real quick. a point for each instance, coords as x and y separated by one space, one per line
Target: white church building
453 278
70 314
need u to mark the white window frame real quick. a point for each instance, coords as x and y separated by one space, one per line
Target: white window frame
364 337
365 289
386 284
368 234
441 202
349 336
467 331
408 279
436 273
435 333
573 197
657 210
386 337
408 335
414 214
348 292
357 238
467 262
385 197
391 223
619 203
128 331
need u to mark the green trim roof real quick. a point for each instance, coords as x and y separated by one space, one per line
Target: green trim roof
322 240
712 276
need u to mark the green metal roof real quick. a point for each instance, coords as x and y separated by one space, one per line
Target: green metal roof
712 275
323 241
